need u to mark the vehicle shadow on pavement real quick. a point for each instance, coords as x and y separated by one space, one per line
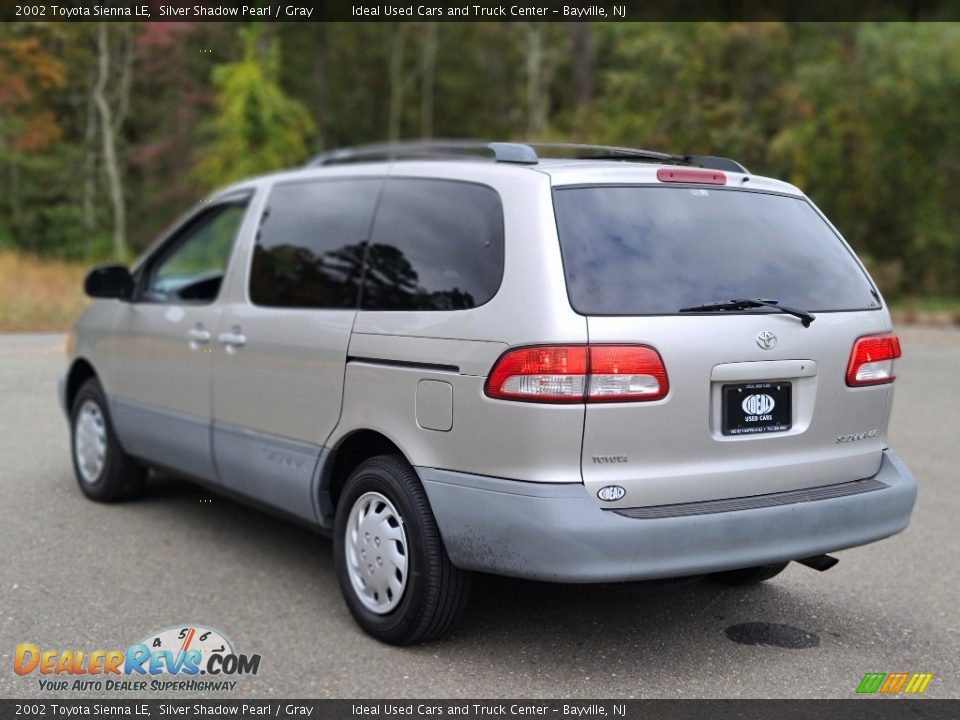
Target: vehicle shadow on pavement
511 605
505 611
531 632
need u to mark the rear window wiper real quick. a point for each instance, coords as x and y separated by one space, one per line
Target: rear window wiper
746 303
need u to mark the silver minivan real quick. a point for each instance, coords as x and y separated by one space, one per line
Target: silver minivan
453 357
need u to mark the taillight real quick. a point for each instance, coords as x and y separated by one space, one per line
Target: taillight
621 373
873 360
698 177
540 374
579 373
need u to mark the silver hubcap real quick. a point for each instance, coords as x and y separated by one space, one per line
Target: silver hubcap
90 442
376 547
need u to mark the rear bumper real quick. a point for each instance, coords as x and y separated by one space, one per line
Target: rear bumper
558 533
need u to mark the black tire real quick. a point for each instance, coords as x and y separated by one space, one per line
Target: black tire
750 575
436 592
120 476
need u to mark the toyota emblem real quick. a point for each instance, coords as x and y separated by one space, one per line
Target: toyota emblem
766 340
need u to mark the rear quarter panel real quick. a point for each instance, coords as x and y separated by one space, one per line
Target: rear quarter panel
519 441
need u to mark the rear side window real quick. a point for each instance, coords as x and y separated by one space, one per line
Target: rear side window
652 250
436 245
311 242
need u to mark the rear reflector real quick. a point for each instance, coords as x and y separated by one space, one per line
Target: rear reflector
698 177
578 373
873 360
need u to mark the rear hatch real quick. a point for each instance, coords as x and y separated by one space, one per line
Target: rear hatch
756 402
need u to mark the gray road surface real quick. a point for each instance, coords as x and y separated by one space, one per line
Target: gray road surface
74 574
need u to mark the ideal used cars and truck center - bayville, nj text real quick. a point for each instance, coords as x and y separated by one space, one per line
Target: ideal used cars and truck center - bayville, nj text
483 11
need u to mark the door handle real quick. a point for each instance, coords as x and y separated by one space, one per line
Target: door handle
198 336
232 340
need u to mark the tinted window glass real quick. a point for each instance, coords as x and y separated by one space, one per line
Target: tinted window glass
652 251
436 245
309 250
192 269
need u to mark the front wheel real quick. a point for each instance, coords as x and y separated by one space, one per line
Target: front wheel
104 471
394 572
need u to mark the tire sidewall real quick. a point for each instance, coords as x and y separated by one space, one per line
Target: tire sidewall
91 391
395 625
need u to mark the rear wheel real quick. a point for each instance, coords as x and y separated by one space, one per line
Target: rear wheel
750 575
394 572
103 470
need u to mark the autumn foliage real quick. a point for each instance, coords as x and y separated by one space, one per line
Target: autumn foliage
862 116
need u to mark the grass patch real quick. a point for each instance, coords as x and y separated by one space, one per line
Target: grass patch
934 311
934 304
39 295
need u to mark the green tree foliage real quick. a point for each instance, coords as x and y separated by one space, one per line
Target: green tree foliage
872 136
861 116
256 127
30 78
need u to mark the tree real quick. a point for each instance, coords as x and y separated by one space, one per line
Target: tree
581 51
111 122
257 128
398 80
862 116
28 125
428 78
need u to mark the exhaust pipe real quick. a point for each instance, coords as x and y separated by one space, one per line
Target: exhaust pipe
819 562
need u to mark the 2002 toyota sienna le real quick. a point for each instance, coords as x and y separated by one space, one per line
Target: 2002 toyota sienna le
622 366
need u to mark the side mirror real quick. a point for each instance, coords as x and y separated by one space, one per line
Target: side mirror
109 281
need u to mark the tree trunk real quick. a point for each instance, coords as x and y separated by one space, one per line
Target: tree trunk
90 170
397 81
126 78
16 208
428 70
580 42
536 102
321 93
108 134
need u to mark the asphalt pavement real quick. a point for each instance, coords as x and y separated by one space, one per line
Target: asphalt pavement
78 575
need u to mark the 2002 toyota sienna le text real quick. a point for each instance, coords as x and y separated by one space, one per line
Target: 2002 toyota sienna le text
626 366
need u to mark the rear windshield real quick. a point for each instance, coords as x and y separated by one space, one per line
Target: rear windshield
653 250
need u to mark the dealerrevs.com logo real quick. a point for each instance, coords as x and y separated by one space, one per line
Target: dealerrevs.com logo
189 658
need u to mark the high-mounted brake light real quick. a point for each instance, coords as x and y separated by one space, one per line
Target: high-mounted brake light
697 177
579 373
873 360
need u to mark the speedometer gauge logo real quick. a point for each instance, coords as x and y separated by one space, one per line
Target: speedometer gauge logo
188 650
183 639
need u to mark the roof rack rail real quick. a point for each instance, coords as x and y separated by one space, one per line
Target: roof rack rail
511 152
711 162
615 152
611 152
430 149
